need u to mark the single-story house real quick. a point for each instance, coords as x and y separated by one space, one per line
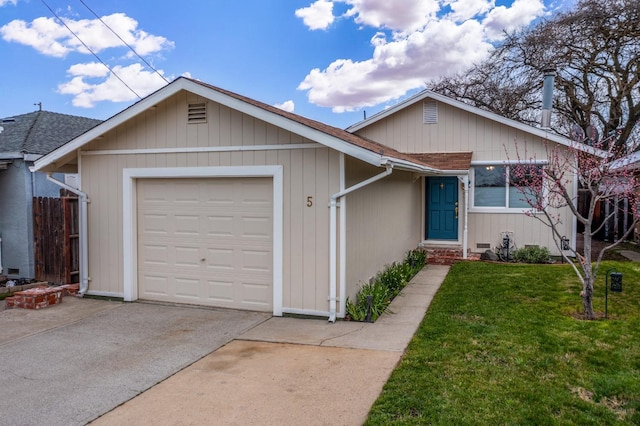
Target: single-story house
25 138
202 196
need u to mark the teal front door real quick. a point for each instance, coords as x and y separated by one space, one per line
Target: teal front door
442 208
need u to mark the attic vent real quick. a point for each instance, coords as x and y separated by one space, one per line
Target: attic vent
197 113
429 112
9 120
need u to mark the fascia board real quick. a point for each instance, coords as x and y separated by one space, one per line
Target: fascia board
185 84
11 156
32 157
408 166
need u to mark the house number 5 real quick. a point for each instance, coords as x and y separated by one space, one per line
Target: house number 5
309 201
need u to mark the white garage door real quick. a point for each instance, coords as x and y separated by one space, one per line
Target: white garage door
206 241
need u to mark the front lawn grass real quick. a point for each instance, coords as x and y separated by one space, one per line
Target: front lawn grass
502 344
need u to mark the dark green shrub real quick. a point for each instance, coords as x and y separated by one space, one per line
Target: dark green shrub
532 254
380 301
386 285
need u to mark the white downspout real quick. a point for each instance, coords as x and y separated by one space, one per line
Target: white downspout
465 232
342 312
333 245
84 255
1 269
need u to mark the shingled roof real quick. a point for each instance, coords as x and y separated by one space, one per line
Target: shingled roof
41 132
341 134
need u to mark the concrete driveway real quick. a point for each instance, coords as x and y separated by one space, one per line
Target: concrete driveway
69 364
113 363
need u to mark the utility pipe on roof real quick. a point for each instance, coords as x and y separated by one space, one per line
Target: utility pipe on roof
84 254
333 244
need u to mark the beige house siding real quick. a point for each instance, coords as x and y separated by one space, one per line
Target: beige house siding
456 130
383 221
487 228
307 172
460 130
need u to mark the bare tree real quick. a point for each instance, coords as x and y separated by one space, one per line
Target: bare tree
595 50
603 172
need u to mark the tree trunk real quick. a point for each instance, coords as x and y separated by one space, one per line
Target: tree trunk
587 270
587 298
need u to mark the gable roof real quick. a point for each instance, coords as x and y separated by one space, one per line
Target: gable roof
428 94
332 137
40 132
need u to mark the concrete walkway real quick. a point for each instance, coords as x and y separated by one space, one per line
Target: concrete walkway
631 255
289 371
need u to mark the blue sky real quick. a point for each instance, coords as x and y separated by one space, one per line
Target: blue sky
327 60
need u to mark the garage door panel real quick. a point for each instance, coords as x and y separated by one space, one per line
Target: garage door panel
254 294
220 259
154 224
256 227
220 291
219 226
254 260
187 224
187 257
186 287
156 285
216 251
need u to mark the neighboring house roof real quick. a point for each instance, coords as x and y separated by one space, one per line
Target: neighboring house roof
338 139
40 132
427 94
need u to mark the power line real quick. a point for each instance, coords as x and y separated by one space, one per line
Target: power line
124 42
90 50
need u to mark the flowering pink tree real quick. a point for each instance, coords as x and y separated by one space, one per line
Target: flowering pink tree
603 173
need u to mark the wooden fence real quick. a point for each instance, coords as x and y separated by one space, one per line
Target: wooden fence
56 239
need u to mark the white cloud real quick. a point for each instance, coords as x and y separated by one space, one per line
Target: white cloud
288 106
91 69
461 10
89 85
318 16
51 38
6 2
410 16
422 45
521 13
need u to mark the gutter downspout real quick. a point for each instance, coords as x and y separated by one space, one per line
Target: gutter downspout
333 244
465 232
84 255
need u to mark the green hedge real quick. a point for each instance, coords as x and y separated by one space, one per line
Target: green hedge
385 286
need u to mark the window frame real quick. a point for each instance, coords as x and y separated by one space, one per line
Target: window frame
500 209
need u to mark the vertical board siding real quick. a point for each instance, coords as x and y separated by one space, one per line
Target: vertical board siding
383 221
306 172
456 130
459 130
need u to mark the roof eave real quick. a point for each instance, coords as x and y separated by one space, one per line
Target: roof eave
216 96
408 166
542 133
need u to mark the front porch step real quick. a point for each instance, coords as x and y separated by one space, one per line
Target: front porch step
447 255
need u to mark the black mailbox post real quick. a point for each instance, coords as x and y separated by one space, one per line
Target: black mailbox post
616 287
616 282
